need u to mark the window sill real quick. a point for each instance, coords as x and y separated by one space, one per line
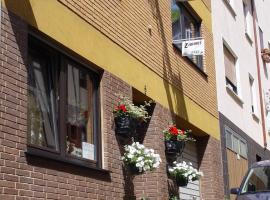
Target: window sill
231 9
249 38
255 117
234 96
32 151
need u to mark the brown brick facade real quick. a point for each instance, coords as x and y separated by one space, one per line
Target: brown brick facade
127 24
24 177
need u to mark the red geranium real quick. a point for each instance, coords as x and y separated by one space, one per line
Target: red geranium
122 107
173 130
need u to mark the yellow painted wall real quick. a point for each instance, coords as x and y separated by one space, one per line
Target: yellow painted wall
61 24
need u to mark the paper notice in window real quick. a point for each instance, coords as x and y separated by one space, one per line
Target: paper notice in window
88 151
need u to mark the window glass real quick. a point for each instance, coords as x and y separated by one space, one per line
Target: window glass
176 21
236 145
243 149
228 139
80 139
185 27
42 104
258 180
230 69
62 107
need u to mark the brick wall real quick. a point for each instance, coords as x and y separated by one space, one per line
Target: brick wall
127 22
29 177
24 177
209 150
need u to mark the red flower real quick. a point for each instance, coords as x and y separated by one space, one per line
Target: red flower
173 130
122 108
182 132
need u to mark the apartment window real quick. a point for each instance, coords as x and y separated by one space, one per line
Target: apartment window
253 98
247 18
261 38
230 69
235 143
185 26
62 107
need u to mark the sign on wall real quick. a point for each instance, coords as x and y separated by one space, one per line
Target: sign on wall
193 47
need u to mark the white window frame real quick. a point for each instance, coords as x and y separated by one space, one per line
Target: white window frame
253 96
248 19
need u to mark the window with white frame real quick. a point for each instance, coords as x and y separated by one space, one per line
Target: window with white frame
261 38
235 142
248 18
230 69
253 99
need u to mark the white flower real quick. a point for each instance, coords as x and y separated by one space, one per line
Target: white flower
144 159
186 170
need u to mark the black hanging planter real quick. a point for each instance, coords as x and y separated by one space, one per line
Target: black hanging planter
125 126
181 181
133 169
174 146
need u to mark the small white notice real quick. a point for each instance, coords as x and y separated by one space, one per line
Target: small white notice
193 47
88 151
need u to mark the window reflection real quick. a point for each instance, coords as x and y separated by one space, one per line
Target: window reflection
42 104
80 141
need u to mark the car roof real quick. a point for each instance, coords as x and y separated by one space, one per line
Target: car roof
264 163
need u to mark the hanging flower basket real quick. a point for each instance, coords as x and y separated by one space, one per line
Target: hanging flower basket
181 181
133 169
183 173
174 146
127 116
139 159
175 140
125 126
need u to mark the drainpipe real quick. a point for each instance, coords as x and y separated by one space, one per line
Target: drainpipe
258 54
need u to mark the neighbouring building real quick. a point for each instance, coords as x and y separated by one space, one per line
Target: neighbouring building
241 32
63 62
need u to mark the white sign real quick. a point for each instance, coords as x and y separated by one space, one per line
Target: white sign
88 151
193 47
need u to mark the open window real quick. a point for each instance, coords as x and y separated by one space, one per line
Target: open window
186 25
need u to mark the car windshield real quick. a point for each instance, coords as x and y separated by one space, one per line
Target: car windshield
258 180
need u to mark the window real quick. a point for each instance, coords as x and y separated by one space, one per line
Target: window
247 18
231 2
235 143
253 99
261 38
230 69
185 26
62 107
